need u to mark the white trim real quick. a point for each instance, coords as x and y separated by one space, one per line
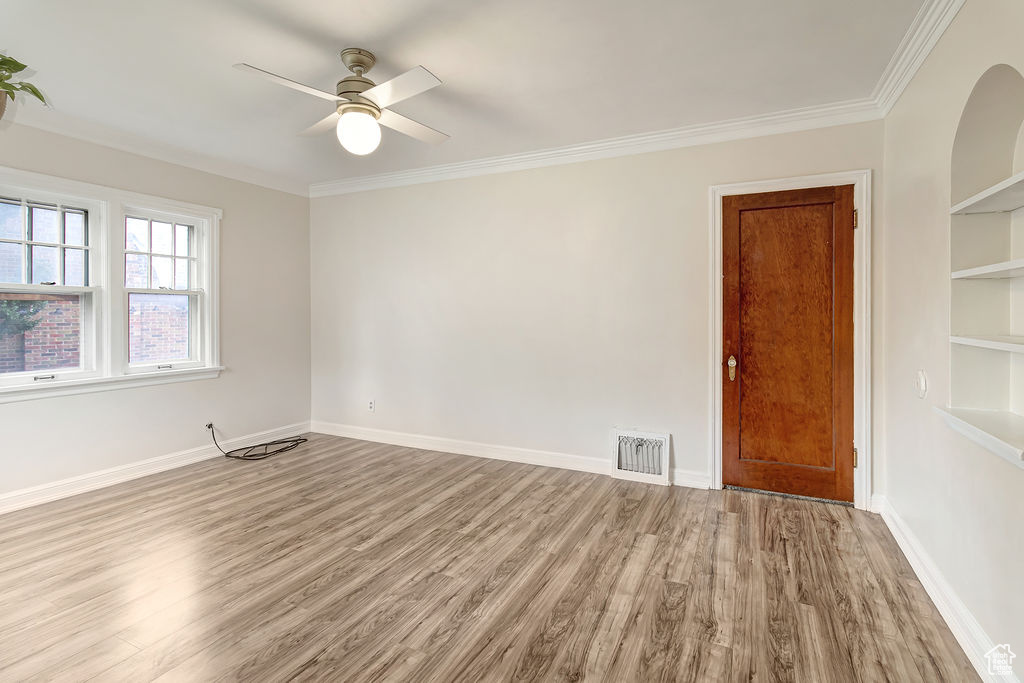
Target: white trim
88 385
964 626
854 111
44 493
41 188
931 22
924 32
565 461
204 334
861 180
691 479
46 289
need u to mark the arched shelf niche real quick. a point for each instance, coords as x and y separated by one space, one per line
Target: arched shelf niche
987 263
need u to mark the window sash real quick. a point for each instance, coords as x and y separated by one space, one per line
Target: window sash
28 243
195 347
86 340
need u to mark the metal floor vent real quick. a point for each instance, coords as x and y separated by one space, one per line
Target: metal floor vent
641 456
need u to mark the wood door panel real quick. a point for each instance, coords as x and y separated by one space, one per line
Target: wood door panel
786 335
787 422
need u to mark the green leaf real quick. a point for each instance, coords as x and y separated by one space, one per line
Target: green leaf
9 88
32 90
11 64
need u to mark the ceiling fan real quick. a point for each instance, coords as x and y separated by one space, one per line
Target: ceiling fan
361 105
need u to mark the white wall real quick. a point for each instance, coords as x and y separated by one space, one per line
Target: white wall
538 309
264 327
964 504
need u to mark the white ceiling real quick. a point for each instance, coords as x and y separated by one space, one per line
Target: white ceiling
519 75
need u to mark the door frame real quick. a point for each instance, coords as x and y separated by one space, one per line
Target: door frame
861 180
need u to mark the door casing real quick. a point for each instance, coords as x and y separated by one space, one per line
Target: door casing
861 180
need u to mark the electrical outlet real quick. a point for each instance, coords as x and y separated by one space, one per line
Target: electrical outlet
369 406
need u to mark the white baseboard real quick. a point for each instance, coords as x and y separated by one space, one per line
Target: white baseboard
44 493
966 629
691 479
565 461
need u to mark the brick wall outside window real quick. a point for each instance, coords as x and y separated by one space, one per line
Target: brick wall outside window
53 344
157 327
158 331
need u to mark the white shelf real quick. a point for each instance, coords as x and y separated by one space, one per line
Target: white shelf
993 271
1000 342
999 431
1000 198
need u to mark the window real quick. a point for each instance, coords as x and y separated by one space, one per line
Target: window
159 258
45 297
101 288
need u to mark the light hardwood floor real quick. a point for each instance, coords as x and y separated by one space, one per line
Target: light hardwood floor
350 561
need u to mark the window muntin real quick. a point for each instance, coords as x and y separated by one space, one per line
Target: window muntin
159 254
43 244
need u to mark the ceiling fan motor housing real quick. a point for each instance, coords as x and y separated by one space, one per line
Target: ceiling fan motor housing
349 91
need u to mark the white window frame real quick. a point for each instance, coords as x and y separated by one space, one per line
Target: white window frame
200 342
104 355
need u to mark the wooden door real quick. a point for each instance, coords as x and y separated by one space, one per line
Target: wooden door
787 414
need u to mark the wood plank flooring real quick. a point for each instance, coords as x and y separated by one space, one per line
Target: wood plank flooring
351 561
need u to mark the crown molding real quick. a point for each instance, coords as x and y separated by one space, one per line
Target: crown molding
853 111
931 22
924 32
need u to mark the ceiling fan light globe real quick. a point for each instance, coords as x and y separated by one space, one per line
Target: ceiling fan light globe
358 132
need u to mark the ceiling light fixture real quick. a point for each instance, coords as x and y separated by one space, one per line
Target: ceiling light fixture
358 132
361 105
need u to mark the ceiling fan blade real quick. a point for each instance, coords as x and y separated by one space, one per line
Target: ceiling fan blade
288 83
412 82
323 125
411 128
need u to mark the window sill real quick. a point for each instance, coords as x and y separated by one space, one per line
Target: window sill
90 385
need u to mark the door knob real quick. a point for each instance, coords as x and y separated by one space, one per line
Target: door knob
732 368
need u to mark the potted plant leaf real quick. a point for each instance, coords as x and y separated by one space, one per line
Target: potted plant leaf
8 88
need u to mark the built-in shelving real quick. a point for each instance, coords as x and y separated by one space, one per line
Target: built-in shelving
999 431
993 271
1002 197
986 249
1003 342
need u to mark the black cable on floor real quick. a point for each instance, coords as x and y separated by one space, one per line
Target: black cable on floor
254 452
